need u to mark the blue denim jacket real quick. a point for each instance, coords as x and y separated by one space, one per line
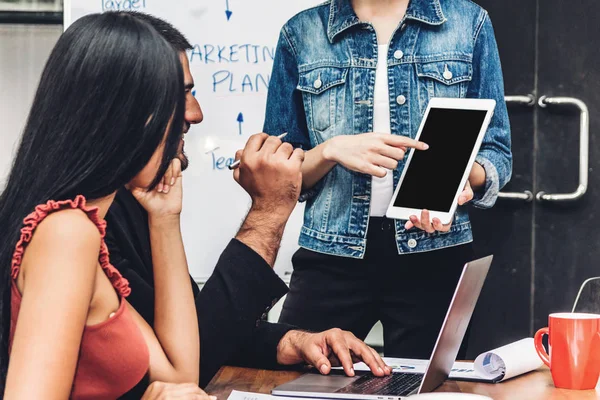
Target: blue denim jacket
322 85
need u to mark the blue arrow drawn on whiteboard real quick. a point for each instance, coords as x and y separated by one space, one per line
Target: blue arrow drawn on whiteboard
240 120
228 12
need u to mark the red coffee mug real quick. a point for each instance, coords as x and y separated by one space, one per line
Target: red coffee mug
574 343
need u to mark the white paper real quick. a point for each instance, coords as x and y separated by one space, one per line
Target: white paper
509 361
460 370
467 371
237 395
504 362
398 365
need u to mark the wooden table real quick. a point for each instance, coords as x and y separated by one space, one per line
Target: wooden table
533 386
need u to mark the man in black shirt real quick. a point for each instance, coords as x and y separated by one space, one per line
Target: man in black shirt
233 304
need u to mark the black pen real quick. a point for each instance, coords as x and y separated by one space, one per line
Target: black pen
237 162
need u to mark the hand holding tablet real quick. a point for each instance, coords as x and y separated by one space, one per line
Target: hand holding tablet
432 181
430 225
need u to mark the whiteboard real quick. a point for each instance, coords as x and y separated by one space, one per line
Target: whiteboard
234 44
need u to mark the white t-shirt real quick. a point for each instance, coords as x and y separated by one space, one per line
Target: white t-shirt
382 189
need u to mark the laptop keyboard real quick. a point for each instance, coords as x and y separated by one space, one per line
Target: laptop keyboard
399 384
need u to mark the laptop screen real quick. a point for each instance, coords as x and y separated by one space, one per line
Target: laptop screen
456 323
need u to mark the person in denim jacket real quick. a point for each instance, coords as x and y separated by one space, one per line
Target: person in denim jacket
351 81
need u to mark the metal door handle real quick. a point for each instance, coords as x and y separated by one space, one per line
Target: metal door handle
584 133
528 100
526 195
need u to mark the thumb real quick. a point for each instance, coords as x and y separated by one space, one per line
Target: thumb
176 164
315 357
236 175
465 196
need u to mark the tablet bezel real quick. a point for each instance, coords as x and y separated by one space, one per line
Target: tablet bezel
488 105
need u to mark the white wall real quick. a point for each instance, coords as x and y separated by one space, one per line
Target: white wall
31 5
23 53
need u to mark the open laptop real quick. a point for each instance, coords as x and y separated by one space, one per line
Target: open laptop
399 385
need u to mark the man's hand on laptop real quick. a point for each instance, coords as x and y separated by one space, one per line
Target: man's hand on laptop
329 349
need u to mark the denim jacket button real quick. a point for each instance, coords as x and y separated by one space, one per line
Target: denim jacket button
401 100
398 54
447 75
318 83
412 243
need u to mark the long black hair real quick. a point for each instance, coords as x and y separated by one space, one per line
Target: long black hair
106 97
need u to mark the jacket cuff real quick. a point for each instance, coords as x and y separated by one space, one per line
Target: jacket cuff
486 198
260 286
270 338
312 192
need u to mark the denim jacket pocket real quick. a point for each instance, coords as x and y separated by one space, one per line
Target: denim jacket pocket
443 78
323 95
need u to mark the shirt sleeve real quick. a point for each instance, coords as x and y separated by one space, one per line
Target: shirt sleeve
487 82
285 108
233 303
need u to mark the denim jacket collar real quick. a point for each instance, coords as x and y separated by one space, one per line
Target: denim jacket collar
342 15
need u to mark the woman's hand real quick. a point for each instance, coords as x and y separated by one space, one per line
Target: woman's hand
166 199
429 225
173 172
180 391
370 153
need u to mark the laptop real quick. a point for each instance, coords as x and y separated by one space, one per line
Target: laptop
400 385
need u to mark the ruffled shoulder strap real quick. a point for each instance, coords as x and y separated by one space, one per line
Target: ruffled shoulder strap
31 222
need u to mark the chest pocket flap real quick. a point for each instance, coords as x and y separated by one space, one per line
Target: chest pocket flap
447 72
318 80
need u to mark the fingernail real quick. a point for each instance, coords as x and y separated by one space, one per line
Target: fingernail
172 181
380 370
166 189
160 187
425 146
352 371
324 369
212 397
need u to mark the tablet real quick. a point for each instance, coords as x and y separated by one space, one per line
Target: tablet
433 179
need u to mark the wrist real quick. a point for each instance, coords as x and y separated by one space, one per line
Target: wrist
477 177
164 221
271 211
329 147
289 348
262 231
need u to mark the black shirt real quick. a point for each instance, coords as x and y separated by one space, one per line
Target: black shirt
231 307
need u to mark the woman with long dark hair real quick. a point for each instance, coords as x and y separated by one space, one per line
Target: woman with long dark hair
108 113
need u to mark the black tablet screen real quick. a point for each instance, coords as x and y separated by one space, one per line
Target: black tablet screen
433 175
